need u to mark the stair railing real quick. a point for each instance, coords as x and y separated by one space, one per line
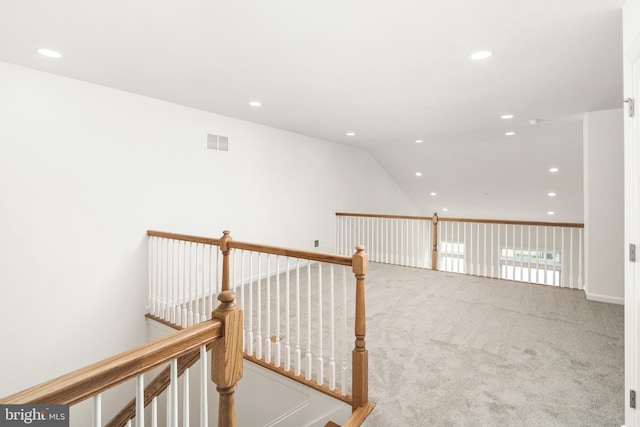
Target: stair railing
299 306
527 251
223 333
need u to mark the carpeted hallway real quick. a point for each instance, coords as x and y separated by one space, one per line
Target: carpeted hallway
454 350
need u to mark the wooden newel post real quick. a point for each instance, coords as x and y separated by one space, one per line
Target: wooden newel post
225 249
226 357
434 252
360 354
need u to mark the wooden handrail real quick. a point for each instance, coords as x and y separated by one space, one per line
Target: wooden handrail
294 253
473 220
154 389
359 415
361 215
184 237
274 250
91 380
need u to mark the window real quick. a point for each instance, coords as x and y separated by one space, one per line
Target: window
531 266
452 257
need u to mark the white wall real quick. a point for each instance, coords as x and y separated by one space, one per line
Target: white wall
604 205
86 170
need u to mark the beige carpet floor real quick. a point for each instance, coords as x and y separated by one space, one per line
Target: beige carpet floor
454 350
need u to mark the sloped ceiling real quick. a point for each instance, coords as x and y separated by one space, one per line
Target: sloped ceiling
392 72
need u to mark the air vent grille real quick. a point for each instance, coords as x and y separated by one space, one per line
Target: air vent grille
217 142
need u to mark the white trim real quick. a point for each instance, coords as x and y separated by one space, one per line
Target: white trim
604 298
632 225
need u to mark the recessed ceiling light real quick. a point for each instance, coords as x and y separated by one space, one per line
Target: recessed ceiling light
482 54
418 141
433 194
351 133
445 209
50 53
509 133
551 213
554 170
255 103
418 173
507 116
551 194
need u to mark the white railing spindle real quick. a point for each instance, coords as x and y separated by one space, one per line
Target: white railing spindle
204 380
97 411
140 400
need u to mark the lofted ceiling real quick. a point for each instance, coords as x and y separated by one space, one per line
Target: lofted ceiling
392 72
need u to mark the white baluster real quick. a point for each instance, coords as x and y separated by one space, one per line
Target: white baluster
97 410
546 261
174 393
213 274
182 284
553 255
537 257
298 357
493 250
268 337
203 289
345 334
287 338
250 314
485 249
150 284
242 286
320 358
218 282
259 316
166 312
193 276
140 400
571 272
204 380
169 405
521 252
529 250
332 331
563 280
278 346
580 283
185 398
198 274
173 291
307 354
477 236
154 412
513 261
129 423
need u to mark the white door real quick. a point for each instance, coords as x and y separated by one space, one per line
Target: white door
632 234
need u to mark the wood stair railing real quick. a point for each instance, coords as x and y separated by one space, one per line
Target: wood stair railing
359 397
223 334
155 388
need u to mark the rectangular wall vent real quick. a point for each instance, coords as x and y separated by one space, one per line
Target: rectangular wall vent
217 142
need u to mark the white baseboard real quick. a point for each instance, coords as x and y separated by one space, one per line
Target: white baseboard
603 298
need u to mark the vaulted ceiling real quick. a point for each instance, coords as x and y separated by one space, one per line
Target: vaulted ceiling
392 72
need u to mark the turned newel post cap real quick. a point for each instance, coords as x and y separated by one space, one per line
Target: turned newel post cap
224 241
227 300
360 261
435 217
